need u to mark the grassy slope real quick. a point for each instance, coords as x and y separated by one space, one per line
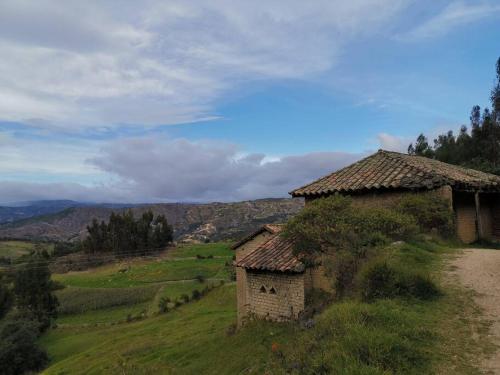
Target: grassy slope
105 295
397 336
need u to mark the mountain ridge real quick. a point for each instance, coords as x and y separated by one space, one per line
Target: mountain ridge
191 221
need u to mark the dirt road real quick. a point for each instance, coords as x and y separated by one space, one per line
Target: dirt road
479 269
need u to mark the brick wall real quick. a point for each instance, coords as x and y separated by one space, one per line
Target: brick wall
241 275
276 296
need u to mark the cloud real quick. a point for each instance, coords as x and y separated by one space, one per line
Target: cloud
454 15
179 169
393 142
74 65
152 170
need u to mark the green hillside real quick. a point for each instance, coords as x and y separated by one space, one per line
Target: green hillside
389 336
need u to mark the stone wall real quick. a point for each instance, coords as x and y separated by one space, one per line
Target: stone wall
241 274
276 296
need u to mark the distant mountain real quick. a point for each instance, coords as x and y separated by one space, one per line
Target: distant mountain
14 211
191 222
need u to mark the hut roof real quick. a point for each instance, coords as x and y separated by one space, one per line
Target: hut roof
393 170
276 254
270 228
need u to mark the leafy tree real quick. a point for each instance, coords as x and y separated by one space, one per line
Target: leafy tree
6 299
333 228
124 235
421 147
19 352
480 149
495 94
33 291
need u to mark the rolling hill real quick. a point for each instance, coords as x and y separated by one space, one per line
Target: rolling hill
200 222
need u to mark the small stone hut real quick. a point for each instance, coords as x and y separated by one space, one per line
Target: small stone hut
272 283
383 177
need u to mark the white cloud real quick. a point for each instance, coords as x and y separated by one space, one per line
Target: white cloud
78 64
152 170
393 142
454 15
178 169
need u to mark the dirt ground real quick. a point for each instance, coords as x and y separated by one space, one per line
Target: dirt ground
479 270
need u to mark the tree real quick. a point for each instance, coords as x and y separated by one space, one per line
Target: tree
495 95
19 352
33 290
478 150
6 299
421 147
333 228
162 232
125 236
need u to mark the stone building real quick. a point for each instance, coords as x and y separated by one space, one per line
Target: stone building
384 176
272 283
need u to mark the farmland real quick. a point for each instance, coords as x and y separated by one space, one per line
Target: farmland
133 289
16 249
387 336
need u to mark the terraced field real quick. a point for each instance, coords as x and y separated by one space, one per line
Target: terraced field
15 249
133 289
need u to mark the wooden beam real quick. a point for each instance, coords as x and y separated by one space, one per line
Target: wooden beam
479 226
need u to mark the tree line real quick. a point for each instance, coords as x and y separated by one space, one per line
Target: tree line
124 235
478 148
28 308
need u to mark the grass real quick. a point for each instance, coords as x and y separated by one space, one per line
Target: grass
78 300
15 249
218 249
104 316
388 336
144 272
108 295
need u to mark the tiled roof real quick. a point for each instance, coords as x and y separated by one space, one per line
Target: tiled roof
271 228
392 170
276 254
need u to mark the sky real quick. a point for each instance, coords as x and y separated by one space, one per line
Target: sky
226 100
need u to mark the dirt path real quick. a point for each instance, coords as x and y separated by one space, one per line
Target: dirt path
479 270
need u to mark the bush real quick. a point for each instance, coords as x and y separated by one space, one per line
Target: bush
200 278
163 304
6 299
19 352
381 280
430 211
196 295
185 298
346 233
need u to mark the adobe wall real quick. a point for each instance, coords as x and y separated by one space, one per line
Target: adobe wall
275 296
241 275
316 278
465 213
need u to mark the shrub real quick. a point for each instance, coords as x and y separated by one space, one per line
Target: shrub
346 233
185 298
430 211
19 352
200 278
6 299
163 304
196 295
381 280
